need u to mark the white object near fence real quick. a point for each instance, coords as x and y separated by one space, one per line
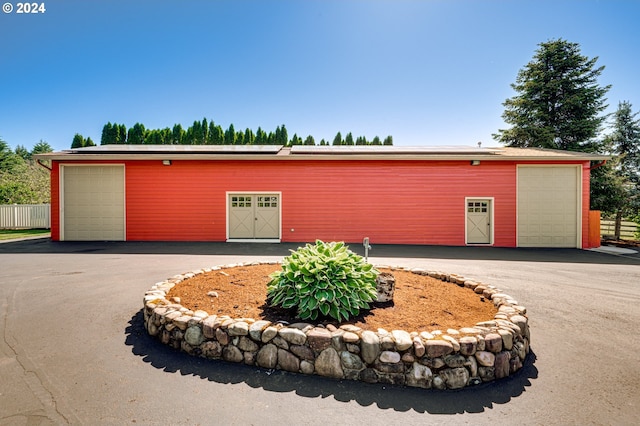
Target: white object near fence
25 216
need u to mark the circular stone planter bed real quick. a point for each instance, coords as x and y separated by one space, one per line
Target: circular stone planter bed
451 359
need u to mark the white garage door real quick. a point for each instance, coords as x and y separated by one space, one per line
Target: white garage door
92 203
549 206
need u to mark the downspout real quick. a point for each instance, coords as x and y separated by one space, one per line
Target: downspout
43 165
598 165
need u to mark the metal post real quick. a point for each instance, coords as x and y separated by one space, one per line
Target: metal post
367 247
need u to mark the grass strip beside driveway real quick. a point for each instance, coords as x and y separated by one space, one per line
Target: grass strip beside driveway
11 234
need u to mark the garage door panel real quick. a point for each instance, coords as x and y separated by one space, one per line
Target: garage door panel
93 203
548 206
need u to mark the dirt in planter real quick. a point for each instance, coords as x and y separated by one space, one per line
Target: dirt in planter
420 303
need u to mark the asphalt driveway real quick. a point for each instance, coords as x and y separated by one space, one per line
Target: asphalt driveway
73 349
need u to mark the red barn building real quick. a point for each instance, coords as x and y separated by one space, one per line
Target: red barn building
504 197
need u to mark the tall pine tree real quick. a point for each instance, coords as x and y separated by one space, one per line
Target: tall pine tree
615 187
78 141
337 140
558 103
348 140
230 135
136 134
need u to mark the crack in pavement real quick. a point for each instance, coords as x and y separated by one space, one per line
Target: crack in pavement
34 379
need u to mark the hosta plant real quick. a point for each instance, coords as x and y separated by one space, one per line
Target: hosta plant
325 279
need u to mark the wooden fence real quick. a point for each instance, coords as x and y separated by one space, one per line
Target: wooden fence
25 216
628 229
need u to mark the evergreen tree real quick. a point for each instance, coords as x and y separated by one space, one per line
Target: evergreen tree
388 140
217 136
337 140
23 152
205 131
626 141
559 101
230 135
8 158
197 133
323 142
41 147
615 187
89 142
177 133
260 137
112 134
152 137
78 141
165 136
188 137
106 138
348 140
249 137
121 134
376 141
295 140
309 140
361 140
136 134
284 136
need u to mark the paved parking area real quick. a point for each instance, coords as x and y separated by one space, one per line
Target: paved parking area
73 350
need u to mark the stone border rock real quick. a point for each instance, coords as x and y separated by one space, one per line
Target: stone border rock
450 359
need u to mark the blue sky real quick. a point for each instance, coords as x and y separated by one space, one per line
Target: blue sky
431 72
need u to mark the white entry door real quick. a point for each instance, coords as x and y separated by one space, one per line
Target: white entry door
254 216
479 220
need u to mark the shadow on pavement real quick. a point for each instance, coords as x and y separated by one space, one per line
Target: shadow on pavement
45 245
468 400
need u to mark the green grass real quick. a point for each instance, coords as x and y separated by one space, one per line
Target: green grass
9 234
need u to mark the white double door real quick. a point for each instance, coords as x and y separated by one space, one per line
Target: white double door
254 216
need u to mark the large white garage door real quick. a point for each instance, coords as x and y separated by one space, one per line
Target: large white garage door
548 206
93 203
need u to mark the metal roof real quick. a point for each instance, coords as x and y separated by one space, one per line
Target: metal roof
177 149
389 150
301 152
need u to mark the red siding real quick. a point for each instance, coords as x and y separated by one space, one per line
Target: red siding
400 202
389 201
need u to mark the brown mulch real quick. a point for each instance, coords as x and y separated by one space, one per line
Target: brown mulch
420 303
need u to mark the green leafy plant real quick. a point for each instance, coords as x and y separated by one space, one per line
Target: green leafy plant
324 279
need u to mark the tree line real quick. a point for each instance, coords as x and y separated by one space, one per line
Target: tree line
559 105
207 132
22 180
